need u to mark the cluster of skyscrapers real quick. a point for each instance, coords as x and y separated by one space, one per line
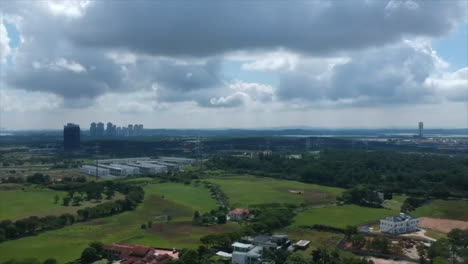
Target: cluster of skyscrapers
111 130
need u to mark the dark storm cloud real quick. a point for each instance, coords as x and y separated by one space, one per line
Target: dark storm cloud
203 28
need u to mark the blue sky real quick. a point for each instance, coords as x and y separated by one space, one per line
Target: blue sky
454 47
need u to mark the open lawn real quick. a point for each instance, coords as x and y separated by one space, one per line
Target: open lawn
19 203
244 191
180 201
317 238
341 216
37 201
395 203
455 210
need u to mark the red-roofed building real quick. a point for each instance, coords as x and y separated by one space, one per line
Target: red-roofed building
239 214
137 254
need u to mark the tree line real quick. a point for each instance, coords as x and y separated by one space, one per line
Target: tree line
416 174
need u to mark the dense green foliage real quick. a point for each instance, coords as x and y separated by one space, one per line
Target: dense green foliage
362 195
450 249
412 173
268 217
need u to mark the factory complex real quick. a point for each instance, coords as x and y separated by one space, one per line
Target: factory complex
132 166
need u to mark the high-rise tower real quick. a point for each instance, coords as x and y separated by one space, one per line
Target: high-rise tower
71 137
421 129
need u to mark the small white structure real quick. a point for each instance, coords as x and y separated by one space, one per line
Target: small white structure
246 253
224 254
302 244
403 223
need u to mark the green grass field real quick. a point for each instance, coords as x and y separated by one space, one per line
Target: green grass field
180 201
395 203
244 191
37 201
341 216
17 203
455 210
317 238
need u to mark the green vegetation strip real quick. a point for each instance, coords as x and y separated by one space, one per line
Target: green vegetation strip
341 216
244 191
180 201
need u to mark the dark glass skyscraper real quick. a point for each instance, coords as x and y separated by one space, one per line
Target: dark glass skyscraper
71 137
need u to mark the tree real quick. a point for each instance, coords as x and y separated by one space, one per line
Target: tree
50 261
458 237
196 218
189 256
221 219
56 198
350 230
77 201
297 258
98 246
358 241
150 224
143 226
66 201
380 244
440 248
89 255
439 260
109 193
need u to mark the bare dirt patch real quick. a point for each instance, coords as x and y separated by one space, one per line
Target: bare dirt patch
442 225
10 186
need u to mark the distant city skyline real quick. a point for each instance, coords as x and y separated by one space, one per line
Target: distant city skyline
350 64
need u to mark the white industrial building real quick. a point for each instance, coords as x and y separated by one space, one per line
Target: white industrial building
177 160
133 166
403 223
92 170
150 168
126 169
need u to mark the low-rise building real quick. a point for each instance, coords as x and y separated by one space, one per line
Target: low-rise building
302 244
127 253
246 253
93 171
400 224
272 242
239 214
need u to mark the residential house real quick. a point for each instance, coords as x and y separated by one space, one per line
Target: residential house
246 253
403 223
239 214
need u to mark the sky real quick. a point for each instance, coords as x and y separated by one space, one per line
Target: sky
234 64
